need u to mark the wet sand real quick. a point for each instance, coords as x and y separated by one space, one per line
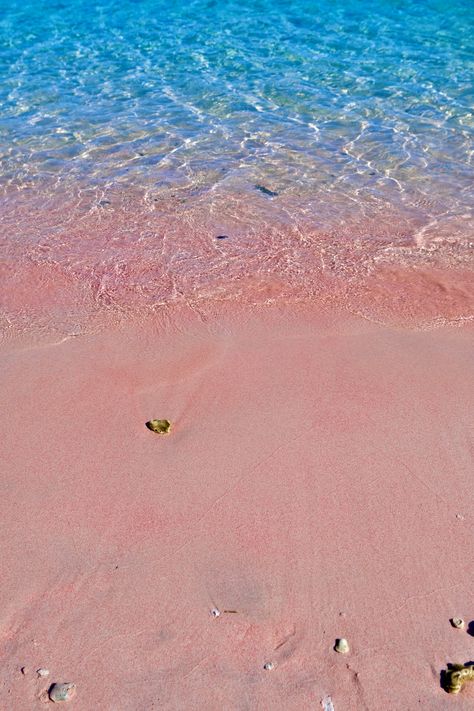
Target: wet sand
316 484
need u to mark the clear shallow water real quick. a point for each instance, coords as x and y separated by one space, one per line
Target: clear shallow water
325 138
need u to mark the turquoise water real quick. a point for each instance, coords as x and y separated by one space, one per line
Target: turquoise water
351 118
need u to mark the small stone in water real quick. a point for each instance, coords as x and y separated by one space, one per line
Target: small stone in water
457 622
42 672
266 191
62 692
341 646
160 426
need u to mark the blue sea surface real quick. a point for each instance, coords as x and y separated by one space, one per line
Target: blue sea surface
378 95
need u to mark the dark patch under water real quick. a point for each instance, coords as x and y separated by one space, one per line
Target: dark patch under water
266 191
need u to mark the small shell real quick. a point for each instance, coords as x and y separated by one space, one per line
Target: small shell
341 646
159 426
42 672
62 692
327 704
457 622
269 666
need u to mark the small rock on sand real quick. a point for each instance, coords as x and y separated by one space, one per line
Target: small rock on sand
62 692
342 646
159 426
457 622
42 672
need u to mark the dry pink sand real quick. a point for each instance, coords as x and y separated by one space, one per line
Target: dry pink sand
317 483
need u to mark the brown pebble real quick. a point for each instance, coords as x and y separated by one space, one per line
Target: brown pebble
62 692
159 426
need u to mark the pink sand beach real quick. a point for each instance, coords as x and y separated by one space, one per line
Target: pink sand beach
316 484
253 221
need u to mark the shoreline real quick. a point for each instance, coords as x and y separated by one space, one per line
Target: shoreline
316 481
77 267
52 311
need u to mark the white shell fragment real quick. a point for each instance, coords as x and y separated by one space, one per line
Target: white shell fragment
457 622
342 646
62 692
268 666
327 704
42 672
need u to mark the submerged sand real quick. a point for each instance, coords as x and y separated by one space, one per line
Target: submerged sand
316 484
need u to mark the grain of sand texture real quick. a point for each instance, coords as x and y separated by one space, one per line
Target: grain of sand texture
316 484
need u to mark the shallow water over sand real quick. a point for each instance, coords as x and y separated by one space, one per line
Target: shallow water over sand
327 143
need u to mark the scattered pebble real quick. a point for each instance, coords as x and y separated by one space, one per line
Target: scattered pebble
460 517
457 622
456 676
222 237
341 646
215 612
160 426
24 670
269 666
62 692
42 672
